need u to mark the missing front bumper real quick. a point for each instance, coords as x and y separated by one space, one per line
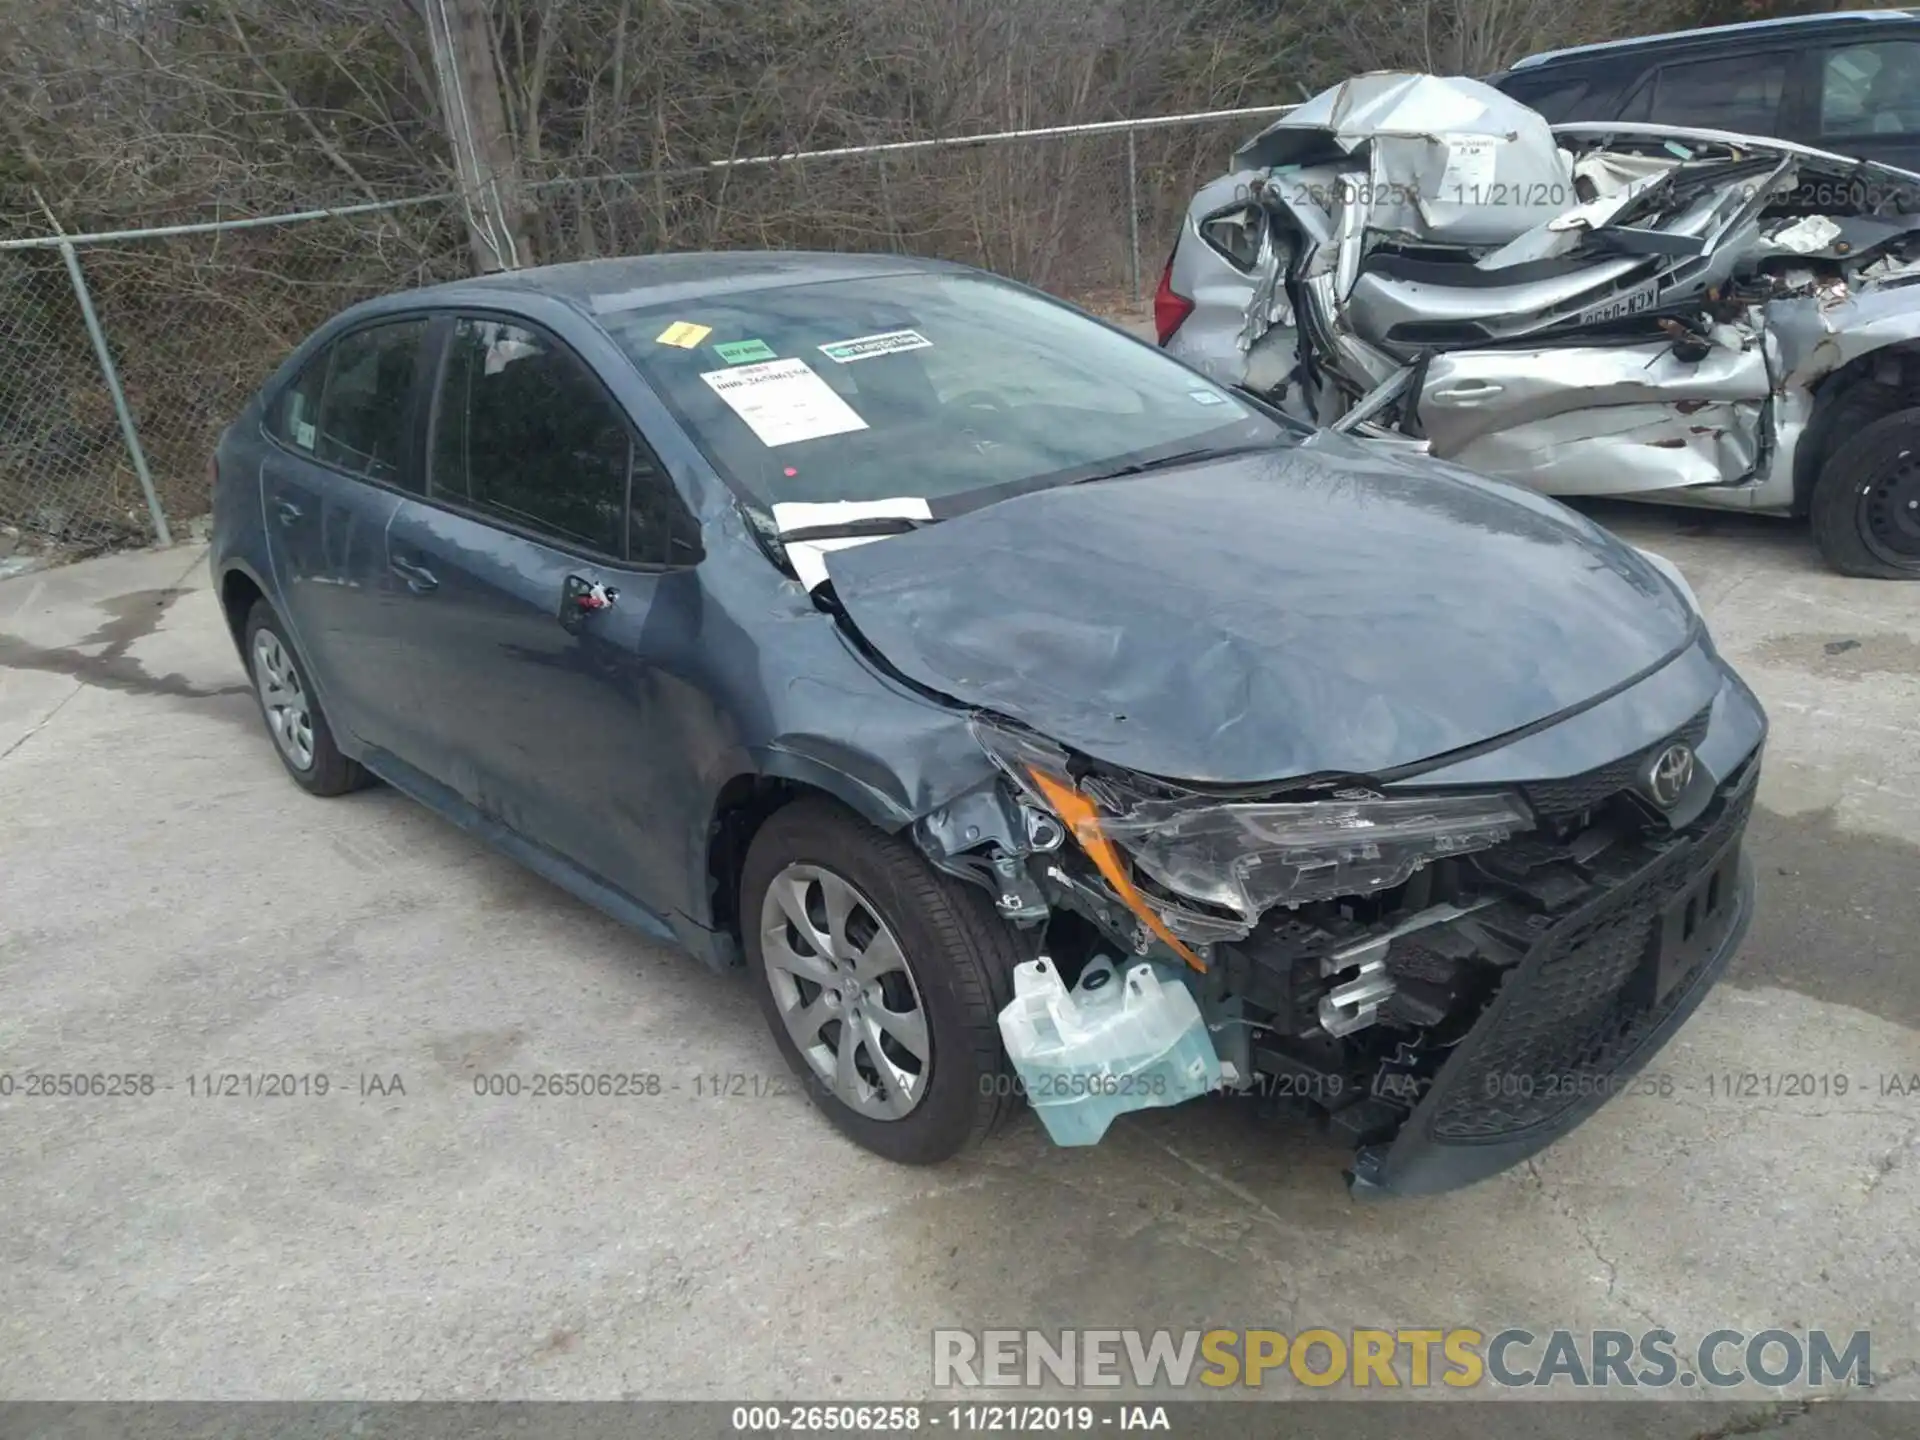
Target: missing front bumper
1527 1074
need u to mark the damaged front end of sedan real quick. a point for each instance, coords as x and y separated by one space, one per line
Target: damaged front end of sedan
1447 978
1324 774
1587 309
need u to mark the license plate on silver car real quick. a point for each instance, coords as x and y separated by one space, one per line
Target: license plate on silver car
1627 302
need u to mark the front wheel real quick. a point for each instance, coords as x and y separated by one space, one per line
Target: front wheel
1866 506
882 981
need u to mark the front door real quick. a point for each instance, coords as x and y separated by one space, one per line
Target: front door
330 486
558 593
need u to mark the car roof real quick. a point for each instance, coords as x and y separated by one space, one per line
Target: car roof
634 282
1837 20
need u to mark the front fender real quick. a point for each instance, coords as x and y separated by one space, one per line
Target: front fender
863 782
925 775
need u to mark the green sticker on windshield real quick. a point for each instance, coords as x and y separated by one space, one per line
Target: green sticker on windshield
738 352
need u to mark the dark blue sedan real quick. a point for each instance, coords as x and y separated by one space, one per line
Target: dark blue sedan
887 628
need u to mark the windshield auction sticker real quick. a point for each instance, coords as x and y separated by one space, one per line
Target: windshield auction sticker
683 333
783 401
739 352
891 342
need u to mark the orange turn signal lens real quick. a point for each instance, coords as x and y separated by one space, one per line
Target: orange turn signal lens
1079 816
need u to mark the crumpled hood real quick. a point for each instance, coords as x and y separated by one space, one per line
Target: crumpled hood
1325 608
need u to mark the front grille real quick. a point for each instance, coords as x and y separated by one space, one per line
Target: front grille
1583 792
1577 1008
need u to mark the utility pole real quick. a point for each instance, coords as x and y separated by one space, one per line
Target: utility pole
476 120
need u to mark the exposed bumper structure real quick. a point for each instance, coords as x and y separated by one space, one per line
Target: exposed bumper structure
1447 1010
1593 1001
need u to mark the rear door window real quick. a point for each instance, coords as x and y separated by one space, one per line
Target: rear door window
524 432
351 408
1731 92
1870 90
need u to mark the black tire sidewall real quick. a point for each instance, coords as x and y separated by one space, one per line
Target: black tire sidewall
1835 516
331 772
970 1079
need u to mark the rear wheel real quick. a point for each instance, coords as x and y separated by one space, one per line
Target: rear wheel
1866 505
882 981
301 736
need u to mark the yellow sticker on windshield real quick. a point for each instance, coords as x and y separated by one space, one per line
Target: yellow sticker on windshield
683 333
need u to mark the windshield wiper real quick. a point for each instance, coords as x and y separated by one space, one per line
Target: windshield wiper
851 529
1185 457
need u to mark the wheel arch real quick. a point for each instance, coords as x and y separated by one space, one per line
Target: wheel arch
748 799
240 590
1865 389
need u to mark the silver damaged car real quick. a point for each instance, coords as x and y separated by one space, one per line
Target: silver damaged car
1589 309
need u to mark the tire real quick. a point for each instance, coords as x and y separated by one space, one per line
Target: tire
1836 420
957 956
305 749
1866 505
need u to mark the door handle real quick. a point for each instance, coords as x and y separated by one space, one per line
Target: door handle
418 577
1469 392
288 512
581 599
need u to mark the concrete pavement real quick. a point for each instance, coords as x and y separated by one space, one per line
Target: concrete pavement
171 906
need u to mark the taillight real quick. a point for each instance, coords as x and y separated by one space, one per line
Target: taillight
1170 309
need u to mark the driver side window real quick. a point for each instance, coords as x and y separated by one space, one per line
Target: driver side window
1871 90
524 432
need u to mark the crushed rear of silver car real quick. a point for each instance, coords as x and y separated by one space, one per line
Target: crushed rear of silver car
1586 309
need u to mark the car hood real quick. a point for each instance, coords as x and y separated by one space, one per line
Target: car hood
1325 608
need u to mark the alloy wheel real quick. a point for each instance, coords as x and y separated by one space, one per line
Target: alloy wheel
284 699
845 992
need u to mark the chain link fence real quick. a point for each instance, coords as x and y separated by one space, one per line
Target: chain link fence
65 475
192 318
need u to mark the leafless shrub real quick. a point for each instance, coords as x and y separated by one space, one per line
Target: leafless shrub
125 113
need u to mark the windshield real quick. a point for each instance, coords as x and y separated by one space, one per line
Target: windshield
935 386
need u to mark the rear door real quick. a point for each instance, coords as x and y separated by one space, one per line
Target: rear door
345 451
552 705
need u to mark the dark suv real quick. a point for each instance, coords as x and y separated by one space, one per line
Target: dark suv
1847 82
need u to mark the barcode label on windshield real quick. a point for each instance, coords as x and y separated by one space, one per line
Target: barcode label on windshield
868 346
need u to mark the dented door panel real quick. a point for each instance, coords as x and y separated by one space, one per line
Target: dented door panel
1621 449
1600 420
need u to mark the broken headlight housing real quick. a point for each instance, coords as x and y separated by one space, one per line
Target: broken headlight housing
1249 856
1244 857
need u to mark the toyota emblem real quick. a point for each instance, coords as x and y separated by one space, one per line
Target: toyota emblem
1669 775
